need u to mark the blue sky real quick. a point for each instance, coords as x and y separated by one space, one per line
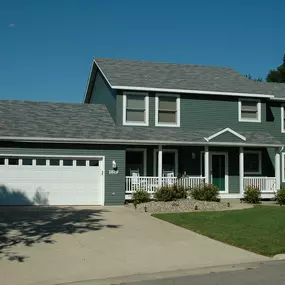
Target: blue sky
47 47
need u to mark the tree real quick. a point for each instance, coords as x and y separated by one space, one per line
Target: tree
277 75
259 79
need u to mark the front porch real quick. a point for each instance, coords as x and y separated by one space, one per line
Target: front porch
231 169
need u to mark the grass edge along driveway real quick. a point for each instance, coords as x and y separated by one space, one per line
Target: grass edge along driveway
260 229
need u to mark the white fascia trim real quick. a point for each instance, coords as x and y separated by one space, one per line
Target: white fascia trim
146 105
125 141
226 130
282 119
259 158
258 120
192 91
277 99
157 124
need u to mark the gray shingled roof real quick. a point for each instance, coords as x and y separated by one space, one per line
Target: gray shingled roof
277 89
90 122
177 76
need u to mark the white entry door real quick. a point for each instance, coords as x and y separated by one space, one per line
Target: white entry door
51 181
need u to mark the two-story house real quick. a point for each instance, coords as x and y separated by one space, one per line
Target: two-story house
142 125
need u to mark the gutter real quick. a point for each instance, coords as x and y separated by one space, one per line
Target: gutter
128 142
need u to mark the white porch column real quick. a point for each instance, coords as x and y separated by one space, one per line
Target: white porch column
206 164
241 170
159 165
277 168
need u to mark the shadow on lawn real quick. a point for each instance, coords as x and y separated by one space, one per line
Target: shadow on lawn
32 225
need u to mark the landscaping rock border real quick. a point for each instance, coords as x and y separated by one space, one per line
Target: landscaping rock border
185 205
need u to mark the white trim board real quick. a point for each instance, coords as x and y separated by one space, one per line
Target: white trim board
283 166
223 131
282 119
126 141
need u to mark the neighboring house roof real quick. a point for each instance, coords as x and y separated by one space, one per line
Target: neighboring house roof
184 78
92 123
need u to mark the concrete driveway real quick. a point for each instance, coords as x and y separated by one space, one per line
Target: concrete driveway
58 245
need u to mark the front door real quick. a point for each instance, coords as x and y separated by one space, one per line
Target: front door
218 170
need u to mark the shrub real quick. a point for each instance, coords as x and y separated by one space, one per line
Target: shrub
252 194
170 193
141 196
280 196
206 192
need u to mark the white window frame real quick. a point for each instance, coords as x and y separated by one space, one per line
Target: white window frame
177 124
282 119
144 151
258 120
259 158
155 154
146 104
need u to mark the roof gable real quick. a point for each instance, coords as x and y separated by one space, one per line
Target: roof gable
226 135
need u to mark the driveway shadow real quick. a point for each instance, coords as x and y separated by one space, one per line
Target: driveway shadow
31 225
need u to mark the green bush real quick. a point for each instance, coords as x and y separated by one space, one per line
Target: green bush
252 194
141 196
170 193
280 196
206 192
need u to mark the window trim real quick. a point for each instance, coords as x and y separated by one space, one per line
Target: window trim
282 119
258 120
144 151
146 103
171 150
157 124
259 152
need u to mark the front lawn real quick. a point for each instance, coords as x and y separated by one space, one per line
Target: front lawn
260 229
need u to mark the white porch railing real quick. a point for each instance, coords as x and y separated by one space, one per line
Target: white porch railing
151 184
265 184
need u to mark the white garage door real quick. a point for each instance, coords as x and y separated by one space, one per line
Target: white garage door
51 181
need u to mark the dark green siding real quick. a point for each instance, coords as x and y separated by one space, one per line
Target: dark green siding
103 94
114 184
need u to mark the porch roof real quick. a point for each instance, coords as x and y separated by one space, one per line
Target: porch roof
91 123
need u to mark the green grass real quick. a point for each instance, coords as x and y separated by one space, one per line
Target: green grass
260 229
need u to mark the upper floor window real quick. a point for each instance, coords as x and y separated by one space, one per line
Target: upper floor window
167 110
249 110
282 119
135 109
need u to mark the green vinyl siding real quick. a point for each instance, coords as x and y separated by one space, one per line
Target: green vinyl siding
114 184
103 94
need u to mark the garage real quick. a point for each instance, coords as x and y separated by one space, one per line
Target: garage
53 180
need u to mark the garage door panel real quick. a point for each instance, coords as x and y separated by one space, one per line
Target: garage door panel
53 185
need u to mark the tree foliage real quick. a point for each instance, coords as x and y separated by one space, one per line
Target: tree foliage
277 75
249 76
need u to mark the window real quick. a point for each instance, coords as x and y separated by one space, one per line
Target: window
2 161
54 162
252 162
249 110
169 161
67 162
40 161
80 162
93 162
136 161
27 161
13 161
167 111
135 110
282 119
